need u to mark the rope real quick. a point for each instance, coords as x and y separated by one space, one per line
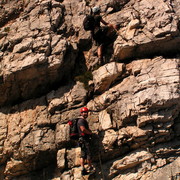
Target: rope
99 156
101 165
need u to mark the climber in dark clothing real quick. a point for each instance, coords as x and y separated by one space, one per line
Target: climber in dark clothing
84 140
101 33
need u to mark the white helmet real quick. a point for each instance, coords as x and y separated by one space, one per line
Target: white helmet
95 9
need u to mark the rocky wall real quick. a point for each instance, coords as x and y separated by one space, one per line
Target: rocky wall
49 69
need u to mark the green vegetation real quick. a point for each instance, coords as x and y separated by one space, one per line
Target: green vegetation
7 29
84 78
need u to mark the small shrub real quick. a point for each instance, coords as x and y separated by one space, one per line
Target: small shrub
6 29
84 78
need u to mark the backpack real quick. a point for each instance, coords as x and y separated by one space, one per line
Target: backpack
89 23
73 132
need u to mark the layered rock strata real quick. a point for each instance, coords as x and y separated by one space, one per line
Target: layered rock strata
49 69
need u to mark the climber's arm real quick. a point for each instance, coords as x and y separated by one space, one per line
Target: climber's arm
108 24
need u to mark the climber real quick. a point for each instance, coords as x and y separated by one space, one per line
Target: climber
84 140
101 34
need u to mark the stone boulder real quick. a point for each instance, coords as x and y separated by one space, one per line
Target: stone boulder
106 75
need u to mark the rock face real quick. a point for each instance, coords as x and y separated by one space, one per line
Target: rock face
49 70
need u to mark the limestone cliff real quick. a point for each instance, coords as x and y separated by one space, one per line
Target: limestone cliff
49 70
